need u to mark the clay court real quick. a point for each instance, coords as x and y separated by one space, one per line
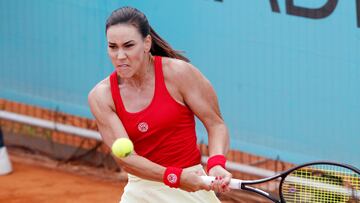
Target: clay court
32 181
39 179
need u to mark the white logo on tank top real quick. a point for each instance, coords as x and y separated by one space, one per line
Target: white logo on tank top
143 127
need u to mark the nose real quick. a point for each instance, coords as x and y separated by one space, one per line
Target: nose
120 54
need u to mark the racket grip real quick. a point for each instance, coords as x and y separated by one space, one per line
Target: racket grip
234 183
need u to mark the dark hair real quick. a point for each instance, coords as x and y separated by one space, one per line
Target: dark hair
129 15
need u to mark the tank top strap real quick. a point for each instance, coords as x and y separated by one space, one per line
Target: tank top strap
159 76
115 93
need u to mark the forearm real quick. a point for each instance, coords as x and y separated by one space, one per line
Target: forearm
142 167
218 139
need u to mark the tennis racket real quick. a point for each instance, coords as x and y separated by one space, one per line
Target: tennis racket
315 182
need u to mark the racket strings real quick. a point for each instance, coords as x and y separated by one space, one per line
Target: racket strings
322 183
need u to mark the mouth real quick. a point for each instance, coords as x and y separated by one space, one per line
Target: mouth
123 66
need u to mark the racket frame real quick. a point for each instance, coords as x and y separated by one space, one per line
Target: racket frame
246 184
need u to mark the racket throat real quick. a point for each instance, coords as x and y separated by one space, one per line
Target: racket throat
260 192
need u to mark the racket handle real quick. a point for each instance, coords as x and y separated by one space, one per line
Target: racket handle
234 183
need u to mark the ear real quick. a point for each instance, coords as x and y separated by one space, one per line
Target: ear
147 43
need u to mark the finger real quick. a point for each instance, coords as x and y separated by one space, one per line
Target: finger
218 184
225 187
226 183
213 184
212 187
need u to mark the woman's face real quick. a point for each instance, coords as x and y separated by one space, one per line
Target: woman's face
127 49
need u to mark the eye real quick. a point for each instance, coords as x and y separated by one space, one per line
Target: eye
112 46
129 45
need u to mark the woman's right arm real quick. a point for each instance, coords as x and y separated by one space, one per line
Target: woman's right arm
111 128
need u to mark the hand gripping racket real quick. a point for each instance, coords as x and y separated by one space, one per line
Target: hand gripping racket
315 182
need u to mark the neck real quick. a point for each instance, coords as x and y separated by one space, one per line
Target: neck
142 76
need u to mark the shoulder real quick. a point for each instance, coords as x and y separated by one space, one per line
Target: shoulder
179 70
100 94
185 77
100 88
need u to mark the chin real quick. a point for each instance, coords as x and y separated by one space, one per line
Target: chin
123 74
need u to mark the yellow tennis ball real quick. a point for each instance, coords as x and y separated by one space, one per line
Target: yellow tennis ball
122 147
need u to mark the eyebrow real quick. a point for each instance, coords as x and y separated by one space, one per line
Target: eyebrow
128 42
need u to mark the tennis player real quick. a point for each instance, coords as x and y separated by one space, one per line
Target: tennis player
152 98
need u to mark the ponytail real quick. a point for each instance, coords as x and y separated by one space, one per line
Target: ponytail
160 47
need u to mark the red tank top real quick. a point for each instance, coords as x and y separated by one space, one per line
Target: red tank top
164 132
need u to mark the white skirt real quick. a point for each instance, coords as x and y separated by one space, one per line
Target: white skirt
139 190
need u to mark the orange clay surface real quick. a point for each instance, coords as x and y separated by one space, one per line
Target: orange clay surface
30 183
37 179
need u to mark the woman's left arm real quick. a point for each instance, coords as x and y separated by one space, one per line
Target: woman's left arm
200 96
